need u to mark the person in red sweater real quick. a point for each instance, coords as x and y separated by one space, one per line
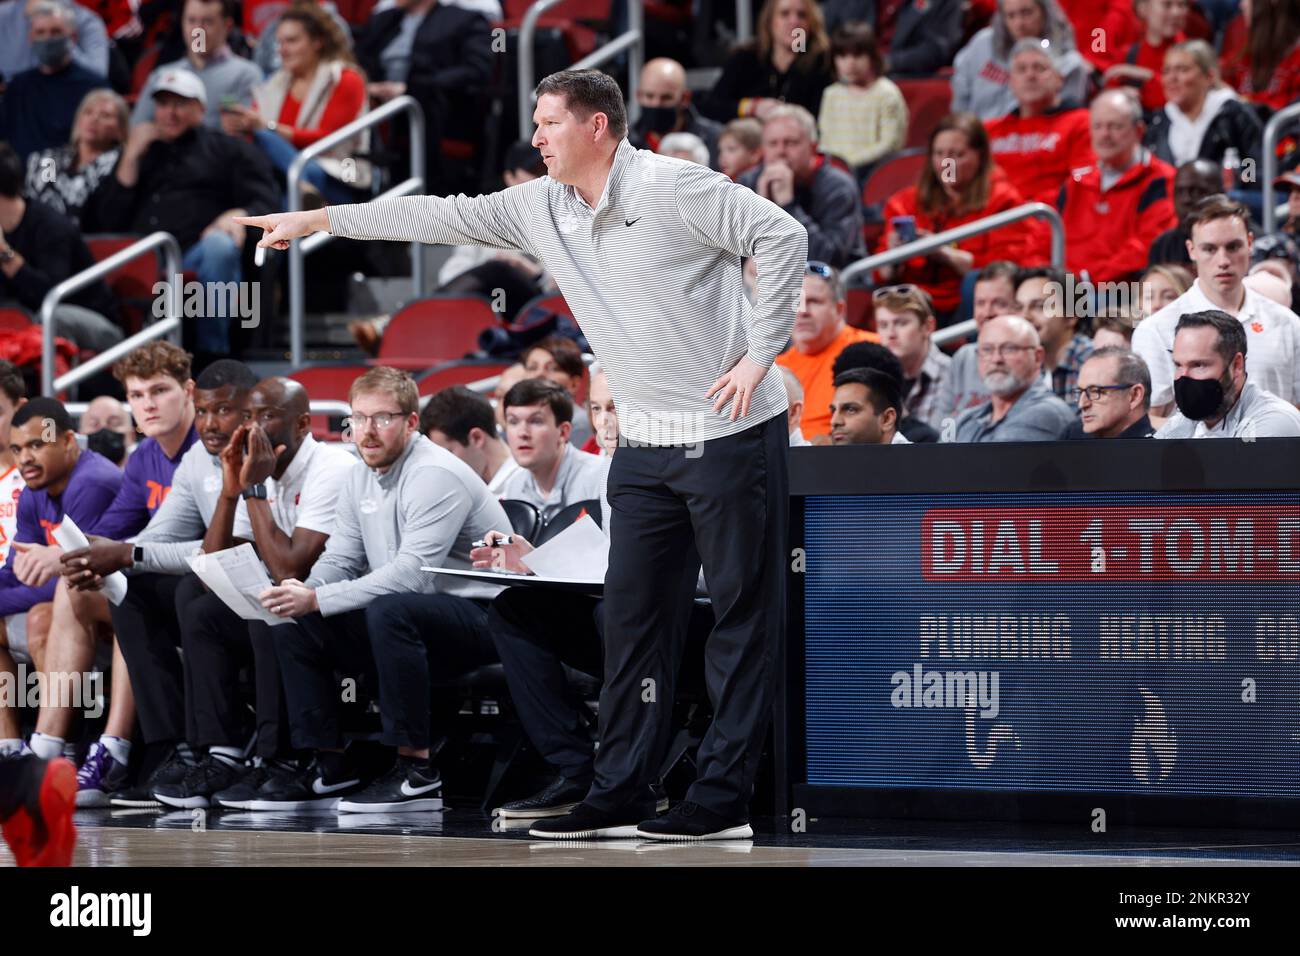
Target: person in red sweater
317 90
1163 22
1103 29
1115 208
958 185
1262 63
1042 141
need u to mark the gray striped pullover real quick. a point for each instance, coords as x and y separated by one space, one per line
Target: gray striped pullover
653 275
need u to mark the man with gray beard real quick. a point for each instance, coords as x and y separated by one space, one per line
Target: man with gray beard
1021 405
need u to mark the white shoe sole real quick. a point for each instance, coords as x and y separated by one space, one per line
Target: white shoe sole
538 814
600 833
144 803
184 803
319 804
744 832
413 805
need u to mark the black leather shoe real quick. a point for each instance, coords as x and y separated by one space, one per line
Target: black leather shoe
554 800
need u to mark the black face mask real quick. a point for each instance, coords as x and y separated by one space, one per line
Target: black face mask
1199 398
659 119
110 444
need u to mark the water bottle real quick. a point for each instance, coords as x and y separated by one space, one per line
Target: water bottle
1231 168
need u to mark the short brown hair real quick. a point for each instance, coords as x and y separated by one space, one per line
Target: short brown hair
153 359
564 350
394 381
1217 206
587 92
12 382
540 391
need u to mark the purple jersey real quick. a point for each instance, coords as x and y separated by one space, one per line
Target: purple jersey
92 487
145 483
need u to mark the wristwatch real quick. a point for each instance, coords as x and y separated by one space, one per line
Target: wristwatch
137 554
254 491
271 125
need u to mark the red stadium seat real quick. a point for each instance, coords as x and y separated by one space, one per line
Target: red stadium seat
837 161
15 319
553 303
893 173
861 313
140 72
132 283
457 373
928 101
259 14
434 330
327 383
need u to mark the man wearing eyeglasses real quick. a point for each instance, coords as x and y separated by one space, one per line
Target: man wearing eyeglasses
414 504
1021 407
1113 396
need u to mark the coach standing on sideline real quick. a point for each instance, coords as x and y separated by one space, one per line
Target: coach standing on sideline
647 251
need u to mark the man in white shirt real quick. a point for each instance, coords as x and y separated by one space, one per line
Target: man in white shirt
865 409
279 489
1210 388
601 412
1220 247
552 474
464 423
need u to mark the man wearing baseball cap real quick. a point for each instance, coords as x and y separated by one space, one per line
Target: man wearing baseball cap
1289 185
179 176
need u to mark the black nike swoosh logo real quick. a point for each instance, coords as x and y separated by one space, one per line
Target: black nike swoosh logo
628 222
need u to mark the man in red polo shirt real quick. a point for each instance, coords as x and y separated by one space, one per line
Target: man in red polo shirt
1043 140
1115 208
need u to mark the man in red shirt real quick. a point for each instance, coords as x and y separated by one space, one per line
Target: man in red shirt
1115 208
1041 142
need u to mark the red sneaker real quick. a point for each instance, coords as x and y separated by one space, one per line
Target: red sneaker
43 796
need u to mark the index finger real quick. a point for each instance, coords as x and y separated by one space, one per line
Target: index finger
262 222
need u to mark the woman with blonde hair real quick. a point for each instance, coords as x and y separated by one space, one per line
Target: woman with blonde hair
318 89
65 177
1163 284
1202 116
789 60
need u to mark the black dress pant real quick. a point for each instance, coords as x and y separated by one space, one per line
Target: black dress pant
419 640
313 652
218 643
537 633
148 631
724 502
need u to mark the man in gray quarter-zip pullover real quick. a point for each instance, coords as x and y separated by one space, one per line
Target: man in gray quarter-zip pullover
160 582
414 505
647 251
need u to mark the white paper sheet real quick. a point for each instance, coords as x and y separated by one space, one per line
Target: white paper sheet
510 579
71 538
579 553
237 577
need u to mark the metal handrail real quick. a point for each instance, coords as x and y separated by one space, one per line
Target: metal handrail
168 325
744 20
1272 133
298 248
633 37
325 406
1030 210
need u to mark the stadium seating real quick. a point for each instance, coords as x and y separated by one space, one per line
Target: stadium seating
131 283
14 318
328 383
456 373
524 517
929 99
435 329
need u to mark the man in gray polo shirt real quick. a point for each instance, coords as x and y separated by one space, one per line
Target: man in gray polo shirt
552 473
225 75
647 250
415 504
1210 389
1021 407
